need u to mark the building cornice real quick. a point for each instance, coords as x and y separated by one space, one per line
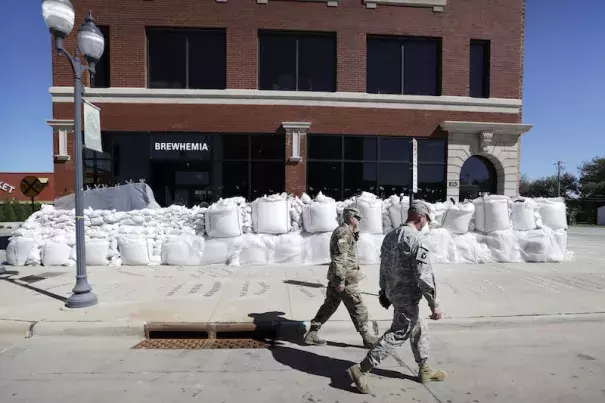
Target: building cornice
486 127
119 95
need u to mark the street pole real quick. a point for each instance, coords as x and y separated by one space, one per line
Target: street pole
559 165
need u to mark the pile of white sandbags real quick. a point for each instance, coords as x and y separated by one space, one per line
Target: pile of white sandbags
286 229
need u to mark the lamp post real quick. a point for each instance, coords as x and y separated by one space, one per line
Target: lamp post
59 17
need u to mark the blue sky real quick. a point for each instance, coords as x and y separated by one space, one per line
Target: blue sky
563 87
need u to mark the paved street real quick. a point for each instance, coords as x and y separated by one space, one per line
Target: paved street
514 332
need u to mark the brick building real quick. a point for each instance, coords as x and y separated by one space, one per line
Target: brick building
10 186
216 98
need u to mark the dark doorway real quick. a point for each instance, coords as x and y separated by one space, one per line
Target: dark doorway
478 176
185 183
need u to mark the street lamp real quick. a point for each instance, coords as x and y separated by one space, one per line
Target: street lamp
59 17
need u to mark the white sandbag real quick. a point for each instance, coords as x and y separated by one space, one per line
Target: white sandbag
252 249
457 218
217 251
441 245
368 248
134 250
34 258
320 217
398 212
55 253
525 215
438 211
370 208
223 221
18 250
317 248
502 245
492 213
553 212
97 252
534 245
271 215
184 250
290 248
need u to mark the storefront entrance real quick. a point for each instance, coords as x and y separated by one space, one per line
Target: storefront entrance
184 183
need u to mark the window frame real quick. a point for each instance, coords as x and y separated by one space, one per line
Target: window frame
297 35
185 32
402 40
378 161
487 58
106 31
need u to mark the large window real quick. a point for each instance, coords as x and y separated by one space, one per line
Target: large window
195 59
343 166
397 65
290 61
101 78
479 69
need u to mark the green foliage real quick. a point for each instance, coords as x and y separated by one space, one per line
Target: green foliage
20 213
8 211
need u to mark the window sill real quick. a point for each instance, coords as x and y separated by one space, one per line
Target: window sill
330 3
120 95
436 5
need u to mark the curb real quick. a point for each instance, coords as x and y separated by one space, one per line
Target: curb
282 328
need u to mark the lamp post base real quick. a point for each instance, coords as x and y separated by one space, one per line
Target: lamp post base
84 300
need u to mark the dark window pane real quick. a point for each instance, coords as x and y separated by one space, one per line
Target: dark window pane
320 147
478 175
383 66
234 146
421 67
431 182
479 69
361 148
395 149
167 59
325 177
267 178
101 77
277 62
267 146
358 177
317 63
235 179
432 150
207 60
192 178
394 178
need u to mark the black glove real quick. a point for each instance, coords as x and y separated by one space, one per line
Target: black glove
384 301
356 235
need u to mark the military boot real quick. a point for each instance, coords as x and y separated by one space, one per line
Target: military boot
360 378
313 339
369 340
427 374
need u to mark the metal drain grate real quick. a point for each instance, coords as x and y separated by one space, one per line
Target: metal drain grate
198 344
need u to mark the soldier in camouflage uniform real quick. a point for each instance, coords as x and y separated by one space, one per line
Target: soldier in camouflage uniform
405 276
344 275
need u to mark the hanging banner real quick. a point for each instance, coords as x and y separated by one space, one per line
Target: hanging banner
92 127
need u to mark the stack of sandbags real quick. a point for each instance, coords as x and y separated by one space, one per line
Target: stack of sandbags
370 207
319 215
553 212
525 215
457 218
296 213
438 211
271 214
199 220
183 250
228 218
492 213
395 212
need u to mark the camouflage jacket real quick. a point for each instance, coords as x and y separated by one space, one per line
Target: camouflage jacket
406 273
344 265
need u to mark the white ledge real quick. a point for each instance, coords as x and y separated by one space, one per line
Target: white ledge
61 124
120 95
298 126
436 5
330 3
480 127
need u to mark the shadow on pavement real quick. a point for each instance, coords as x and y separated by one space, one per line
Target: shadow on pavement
326 367
30 287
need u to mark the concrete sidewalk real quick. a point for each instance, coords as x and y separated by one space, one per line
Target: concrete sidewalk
130 296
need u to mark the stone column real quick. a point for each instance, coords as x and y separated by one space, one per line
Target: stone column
63 148
296 156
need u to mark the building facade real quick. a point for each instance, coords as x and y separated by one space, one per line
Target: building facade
10 186
218 98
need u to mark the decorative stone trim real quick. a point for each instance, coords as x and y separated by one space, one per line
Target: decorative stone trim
486 140
122 95
330 3
480 127
296 130
62 126
436 5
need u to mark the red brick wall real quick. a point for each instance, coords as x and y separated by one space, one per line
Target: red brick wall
498 20
14 179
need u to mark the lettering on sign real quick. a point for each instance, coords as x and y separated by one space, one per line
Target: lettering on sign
5 187
181 147
452 184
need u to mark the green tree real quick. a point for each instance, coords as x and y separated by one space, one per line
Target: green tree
8 211
592 186
20 213
549 186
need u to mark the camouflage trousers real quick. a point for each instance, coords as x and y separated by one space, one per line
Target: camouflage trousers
407 323
351 297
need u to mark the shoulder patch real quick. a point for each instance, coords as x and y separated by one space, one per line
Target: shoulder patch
423 254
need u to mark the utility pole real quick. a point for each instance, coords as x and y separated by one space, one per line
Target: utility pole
559 165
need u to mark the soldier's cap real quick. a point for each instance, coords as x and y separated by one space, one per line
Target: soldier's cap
352 211
420 207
